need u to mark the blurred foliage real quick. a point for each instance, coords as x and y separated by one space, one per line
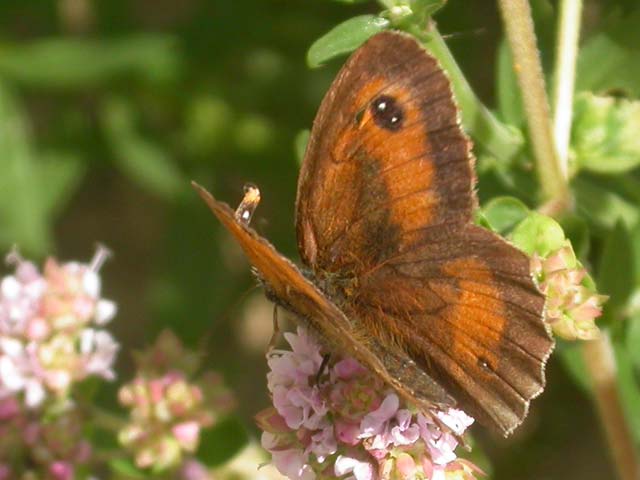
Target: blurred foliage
107 112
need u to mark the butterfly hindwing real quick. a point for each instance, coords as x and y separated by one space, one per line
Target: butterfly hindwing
463 306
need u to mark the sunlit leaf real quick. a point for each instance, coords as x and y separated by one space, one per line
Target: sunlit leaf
605 134
345 38
538 234
503 213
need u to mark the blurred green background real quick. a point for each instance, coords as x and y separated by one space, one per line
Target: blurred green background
109 108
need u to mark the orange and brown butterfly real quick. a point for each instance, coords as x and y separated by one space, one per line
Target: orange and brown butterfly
442 310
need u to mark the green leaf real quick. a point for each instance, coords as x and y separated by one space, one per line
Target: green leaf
127 468
616 277
222 442
345 38
142 161
71 63
610 60
509 100
427 7
300 144
576 230
538 234
59 175
23 216
504 213
572 360
633 328
605 134
602 207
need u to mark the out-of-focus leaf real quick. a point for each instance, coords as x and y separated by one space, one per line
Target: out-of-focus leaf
616 277
59 175
73 63
253 133
127 468
605 134
576 229
538 234
427 7
509 101
142 161
22 214
207 123
571 356
300 144
504 213
602 207
633 327
222 442
345 38
611 59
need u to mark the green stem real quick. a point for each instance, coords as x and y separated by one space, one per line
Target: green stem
494 136
564 79
105 419
516 15
600 361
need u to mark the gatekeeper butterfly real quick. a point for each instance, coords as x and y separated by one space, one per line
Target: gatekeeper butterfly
444 311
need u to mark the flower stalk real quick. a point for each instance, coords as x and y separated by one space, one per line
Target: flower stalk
551 155
516 15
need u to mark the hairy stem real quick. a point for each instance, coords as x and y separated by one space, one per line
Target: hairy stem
516 15
601 364
494 136
564 79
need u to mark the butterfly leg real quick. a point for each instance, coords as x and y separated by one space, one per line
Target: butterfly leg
323 366
276 330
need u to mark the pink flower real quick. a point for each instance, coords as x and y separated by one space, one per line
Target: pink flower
572 301
344 423
48 335
168 410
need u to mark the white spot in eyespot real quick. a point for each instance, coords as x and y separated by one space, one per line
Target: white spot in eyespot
246 214
382 106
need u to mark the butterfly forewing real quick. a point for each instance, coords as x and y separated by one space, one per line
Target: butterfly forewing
386 157
286 286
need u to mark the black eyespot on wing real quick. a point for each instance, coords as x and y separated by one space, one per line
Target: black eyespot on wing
387 113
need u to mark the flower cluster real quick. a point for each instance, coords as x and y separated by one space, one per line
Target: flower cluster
572 302
35 446
343 423
50 338
167 408
50 329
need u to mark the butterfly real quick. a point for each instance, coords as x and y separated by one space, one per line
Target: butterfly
442 310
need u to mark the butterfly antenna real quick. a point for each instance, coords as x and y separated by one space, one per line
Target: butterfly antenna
476 32
225 316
